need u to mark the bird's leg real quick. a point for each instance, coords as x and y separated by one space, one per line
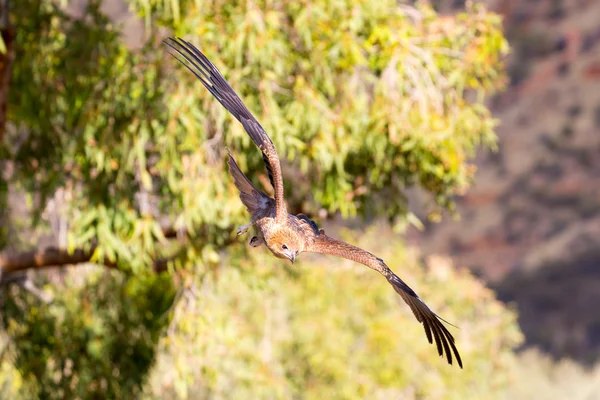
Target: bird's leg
255 241
244 228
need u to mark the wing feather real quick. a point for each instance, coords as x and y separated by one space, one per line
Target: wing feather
432 324
215 83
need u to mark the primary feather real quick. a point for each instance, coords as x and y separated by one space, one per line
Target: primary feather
213 80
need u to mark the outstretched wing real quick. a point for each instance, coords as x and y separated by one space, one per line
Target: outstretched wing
434 328
213 80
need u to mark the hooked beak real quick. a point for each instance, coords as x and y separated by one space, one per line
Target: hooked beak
293 258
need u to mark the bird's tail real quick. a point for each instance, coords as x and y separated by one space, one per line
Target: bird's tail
252 198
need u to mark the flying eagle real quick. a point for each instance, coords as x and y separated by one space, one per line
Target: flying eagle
284 234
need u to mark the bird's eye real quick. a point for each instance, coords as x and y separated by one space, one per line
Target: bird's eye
284 247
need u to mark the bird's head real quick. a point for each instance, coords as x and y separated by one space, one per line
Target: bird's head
286 243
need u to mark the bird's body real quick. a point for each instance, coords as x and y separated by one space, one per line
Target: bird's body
273 232
284 234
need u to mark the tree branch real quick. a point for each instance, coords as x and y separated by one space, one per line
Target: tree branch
54 257
48 257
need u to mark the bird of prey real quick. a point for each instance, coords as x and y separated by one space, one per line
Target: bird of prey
284 234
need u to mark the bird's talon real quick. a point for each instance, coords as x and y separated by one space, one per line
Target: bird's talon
243 229
255 242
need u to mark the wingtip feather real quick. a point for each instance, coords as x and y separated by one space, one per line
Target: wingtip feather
432 323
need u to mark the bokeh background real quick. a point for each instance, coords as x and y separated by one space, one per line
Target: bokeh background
457 140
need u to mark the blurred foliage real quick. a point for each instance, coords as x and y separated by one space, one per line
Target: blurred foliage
543 378
361 98
96 340
256 330
88 116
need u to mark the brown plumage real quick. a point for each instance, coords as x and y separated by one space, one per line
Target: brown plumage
287 235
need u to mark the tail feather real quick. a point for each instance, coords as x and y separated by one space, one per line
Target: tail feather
252 198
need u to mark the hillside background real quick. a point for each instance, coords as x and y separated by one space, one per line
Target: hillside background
530 225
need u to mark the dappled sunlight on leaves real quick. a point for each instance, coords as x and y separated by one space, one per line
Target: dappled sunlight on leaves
106 326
